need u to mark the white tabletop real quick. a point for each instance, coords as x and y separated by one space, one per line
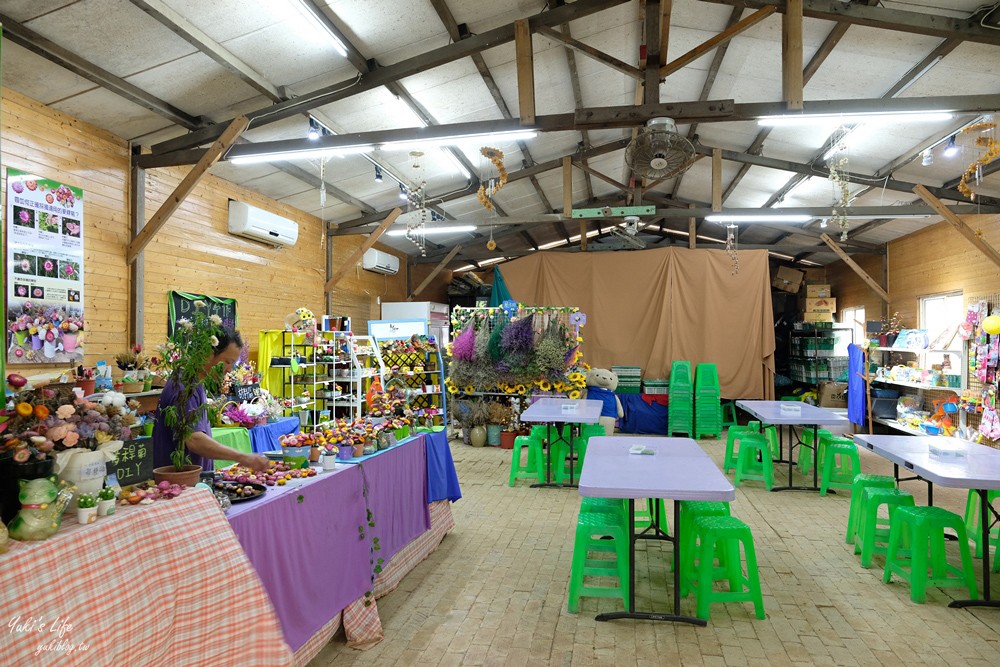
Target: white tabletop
769 412
679 470
979 468
567 410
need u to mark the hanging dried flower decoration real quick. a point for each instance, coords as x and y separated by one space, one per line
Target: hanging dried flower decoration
975 169
489 189
731 247
838 166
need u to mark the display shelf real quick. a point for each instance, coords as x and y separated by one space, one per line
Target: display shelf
919 385
898 349
413 382
895 424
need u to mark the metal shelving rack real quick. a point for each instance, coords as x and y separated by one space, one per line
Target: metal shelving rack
806 351
362 362
414 382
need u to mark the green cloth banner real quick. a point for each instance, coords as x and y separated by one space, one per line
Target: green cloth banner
499 293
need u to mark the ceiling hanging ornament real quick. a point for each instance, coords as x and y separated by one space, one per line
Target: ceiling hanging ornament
838 165
493 177
416 222
986 140
731 232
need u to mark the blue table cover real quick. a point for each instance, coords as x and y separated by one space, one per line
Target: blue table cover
442 478
641 417
265 438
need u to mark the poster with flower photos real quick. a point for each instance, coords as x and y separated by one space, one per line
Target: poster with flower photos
44 278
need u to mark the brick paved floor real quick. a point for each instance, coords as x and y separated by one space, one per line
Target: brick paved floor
494 593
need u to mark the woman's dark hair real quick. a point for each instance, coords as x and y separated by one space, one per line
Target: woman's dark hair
226 338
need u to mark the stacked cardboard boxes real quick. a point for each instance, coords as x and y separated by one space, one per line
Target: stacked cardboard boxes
820 305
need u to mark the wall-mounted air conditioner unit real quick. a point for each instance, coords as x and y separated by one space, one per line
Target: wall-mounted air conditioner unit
261 225
380 262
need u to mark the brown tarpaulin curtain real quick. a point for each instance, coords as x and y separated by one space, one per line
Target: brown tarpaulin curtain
646 308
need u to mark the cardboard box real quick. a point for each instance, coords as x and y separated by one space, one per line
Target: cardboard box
788 280
817 317
833 394
818 291
821 305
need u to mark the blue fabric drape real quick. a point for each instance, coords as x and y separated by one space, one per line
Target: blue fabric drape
856 390
442 479
499 293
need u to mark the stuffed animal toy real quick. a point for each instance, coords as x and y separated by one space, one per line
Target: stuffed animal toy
302 320
42 504
601 385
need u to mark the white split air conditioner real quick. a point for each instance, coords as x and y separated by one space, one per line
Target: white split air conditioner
380 262
261 225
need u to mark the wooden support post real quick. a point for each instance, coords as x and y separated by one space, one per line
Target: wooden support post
716 179
972 236
882 294
184 188
362 249
433 274
651 70
791 55
692 231
665 7
722 37
525 72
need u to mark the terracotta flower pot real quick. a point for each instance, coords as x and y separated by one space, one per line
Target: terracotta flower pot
507 439
189 475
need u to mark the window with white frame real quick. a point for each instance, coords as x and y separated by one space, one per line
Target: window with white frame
855 318
940 315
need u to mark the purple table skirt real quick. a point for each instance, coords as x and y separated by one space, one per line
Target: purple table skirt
303 540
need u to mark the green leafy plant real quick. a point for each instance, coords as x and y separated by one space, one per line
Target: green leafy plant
85 500
373 546
107 493
186 357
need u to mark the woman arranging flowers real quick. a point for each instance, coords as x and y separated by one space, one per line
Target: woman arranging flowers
200 352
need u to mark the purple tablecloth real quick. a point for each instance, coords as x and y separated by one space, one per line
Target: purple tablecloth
303 540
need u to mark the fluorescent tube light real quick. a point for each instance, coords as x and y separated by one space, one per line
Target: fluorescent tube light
453 229
310 154
761 217
484 137
309 12
872 117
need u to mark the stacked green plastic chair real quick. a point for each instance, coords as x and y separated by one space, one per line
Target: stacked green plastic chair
680 411
707 402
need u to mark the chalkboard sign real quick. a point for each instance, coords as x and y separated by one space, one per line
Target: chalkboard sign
246 392
181 305
134 462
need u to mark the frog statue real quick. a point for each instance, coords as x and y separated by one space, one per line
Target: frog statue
43 501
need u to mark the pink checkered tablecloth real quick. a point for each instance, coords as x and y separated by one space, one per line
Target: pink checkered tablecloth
164 584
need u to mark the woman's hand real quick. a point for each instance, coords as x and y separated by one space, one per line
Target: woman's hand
254 461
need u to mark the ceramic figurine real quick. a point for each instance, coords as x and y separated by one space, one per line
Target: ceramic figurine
43 501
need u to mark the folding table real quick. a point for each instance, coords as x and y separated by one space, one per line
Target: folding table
770 412
678 469
953 463
554 411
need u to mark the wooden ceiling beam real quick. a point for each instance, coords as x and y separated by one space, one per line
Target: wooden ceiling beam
607 179
791 54
361 250
525 61
405 68
709 44
434 272
591 52
173 201
973 236
867 279
918 23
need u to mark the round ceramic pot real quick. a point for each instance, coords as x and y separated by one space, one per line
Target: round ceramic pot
189 475
477 436
106 507
86 515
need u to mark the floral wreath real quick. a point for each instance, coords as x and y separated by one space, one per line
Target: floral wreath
992 147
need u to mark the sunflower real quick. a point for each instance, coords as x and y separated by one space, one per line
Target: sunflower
575 394
452 389
469 389
491 153
545 385
519 388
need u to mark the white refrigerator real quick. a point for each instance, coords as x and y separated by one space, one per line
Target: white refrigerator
437 316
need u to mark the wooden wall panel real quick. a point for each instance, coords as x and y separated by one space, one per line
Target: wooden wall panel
57 146
194 252
934 260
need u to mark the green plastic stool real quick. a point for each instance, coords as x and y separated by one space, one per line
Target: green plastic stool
729 414
691 510
591 527
748 467
861 482
872 538
723 536
732 436
808 454
771 433
925 528
974 527
840 464
534 468
560 453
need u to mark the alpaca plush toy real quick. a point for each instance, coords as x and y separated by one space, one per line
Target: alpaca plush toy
42 504
601 385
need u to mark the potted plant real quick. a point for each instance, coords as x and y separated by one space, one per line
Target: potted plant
472 416
186 356
86 508
890 330
499 415
105 501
